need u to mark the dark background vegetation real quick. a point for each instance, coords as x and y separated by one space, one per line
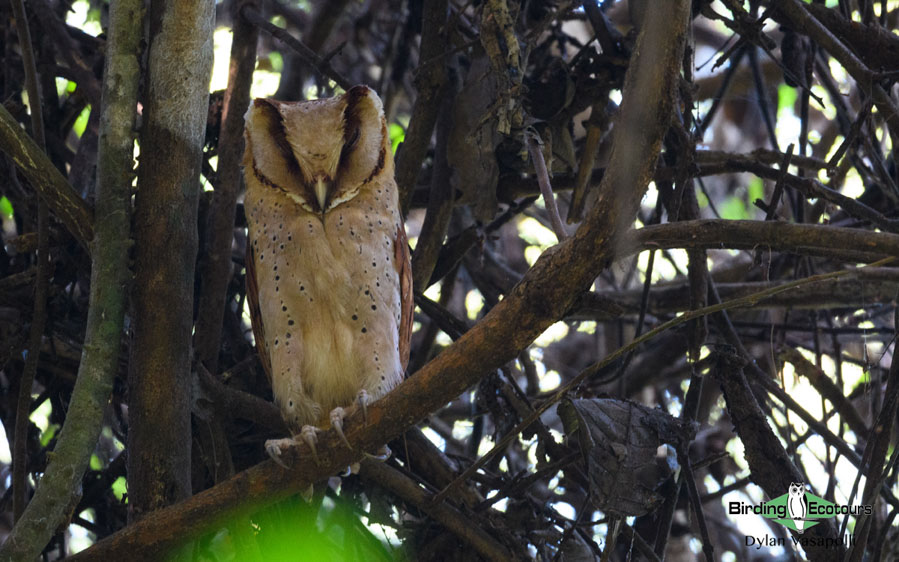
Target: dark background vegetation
751 145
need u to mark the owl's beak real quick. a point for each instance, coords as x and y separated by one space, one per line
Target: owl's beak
322 190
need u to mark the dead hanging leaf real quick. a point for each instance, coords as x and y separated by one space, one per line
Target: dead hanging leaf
620 442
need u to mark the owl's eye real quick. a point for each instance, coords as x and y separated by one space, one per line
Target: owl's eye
351 141
348 145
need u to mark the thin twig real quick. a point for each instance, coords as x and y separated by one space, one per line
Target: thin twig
320 65
39 315
461 525
546 189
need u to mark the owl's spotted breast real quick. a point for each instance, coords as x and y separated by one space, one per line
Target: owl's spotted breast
327 255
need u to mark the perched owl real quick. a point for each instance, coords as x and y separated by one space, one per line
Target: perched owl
329 282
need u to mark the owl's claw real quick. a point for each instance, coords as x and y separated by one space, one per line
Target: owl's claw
362 400
382 455
308 435
274 447
337 416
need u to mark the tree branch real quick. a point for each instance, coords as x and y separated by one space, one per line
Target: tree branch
165 228
215 268
849 244
53 188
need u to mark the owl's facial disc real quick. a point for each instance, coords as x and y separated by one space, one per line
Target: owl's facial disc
326 149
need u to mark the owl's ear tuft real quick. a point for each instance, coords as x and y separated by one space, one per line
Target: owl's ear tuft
354 94
362 106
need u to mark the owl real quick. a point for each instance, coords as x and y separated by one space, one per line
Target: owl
329 284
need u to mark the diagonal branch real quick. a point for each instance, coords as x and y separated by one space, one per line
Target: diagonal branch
53 188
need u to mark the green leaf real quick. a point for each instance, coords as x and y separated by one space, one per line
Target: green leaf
120 487
756 190
733 208
396 133
786 99
81 123
47 435
6 210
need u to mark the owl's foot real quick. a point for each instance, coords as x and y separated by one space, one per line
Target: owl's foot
337 416
274 447
308 435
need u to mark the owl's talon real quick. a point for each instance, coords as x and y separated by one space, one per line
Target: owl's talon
362 400
274 447
382 455
337 416
308 434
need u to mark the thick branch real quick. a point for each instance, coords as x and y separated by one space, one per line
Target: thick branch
53 188
871 285
815 240
165 228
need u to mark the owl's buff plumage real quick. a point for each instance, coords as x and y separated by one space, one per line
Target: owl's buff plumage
328 266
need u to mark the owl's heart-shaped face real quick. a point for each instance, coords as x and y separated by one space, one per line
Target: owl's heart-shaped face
320 152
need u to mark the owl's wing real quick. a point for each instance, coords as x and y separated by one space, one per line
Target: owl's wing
255 314
403 265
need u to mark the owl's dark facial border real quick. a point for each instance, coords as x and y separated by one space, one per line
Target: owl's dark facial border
359 134
278 135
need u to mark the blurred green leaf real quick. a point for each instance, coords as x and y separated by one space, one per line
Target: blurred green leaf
81 123
396 133
756 189
277 61
702 200
120 487
733 208
6 210
786 98
47 435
